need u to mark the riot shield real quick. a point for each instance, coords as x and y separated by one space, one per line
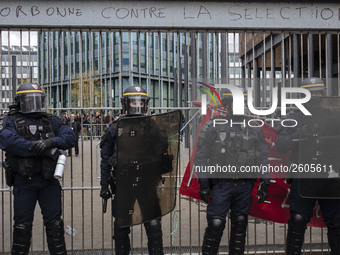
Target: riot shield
146 167
319 140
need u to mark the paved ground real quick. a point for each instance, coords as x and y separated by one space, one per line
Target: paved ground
82 205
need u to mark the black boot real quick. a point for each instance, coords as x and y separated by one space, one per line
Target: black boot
297 225
212 236
153 230
122 240
55 237
22 234
237 240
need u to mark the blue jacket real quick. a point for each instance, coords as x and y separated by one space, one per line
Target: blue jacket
12 142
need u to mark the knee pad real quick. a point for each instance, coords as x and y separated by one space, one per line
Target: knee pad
239 221
298 221
153 224
216 223
238 217
153 227
56 225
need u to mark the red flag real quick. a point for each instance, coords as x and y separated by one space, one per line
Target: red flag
278 210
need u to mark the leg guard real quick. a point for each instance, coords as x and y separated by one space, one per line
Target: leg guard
297 225
212 236
122 240
22 234
153 230
55 237
237 240
334 237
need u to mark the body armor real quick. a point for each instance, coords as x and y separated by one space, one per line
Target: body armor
233 146
33 129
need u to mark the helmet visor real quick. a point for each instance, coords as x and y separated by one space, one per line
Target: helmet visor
137 105
32 102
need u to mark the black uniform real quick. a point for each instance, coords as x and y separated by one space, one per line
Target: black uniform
32 175
301 209
135 103
153 227
237 146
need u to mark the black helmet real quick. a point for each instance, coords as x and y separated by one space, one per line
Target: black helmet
135 101
313 84
227 98
31 98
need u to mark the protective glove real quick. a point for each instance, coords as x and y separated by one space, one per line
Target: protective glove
204 192
262 192
105 192
40 146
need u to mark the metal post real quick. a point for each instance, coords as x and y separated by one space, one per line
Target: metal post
264 73
249 74
186 89
310 55
223 58
283 63
194 80
175 88
296 60
329 65
205 57
257 83
14 76
180 97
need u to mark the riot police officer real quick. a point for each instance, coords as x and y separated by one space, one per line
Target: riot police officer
234 145
301 209
31 139
135 103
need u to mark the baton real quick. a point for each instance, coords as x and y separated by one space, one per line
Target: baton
104 205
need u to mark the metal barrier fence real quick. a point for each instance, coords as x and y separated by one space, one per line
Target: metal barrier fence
86 71
182 230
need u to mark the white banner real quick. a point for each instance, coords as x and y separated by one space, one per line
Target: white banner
179 15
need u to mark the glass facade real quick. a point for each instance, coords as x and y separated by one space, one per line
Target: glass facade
108 62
